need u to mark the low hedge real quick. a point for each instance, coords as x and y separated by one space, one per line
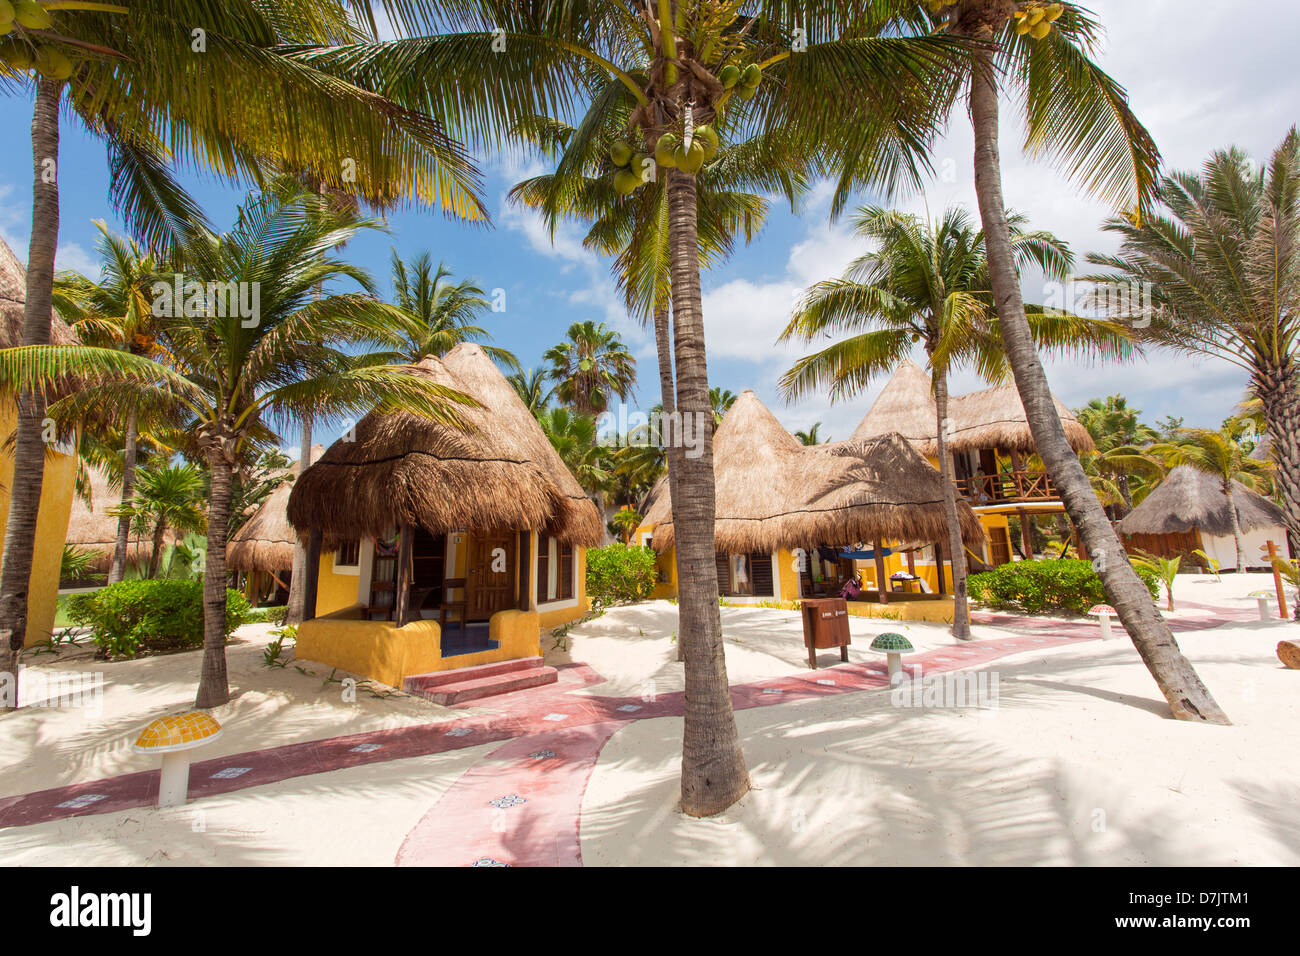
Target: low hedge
620 574
1046 586
133 617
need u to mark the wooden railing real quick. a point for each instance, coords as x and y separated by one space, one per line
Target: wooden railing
1008 486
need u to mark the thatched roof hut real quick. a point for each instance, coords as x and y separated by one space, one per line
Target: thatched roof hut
502 474
1190 499
92 528
1264 450
13 296
773 492
991 418
265 541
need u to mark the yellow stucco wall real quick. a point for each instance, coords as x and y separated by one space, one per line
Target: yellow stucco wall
57 488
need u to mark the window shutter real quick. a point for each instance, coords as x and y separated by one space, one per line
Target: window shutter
760 573
723 563
543 567
566 572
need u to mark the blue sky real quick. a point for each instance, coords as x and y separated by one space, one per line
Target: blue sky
1196 91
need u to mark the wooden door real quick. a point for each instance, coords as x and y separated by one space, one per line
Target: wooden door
490 577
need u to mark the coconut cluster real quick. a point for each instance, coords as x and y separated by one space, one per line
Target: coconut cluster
1036 19
687 149
21 51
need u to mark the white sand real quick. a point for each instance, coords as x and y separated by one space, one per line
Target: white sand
1079 764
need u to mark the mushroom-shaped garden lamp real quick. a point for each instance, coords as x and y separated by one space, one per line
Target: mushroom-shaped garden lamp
895 646
174 737
1103 612
1263 597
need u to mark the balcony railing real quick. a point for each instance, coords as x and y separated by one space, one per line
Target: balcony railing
1011 486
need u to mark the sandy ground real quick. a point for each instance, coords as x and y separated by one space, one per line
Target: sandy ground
1077 764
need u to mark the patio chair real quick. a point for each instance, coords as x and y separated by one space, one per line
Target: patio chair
460 605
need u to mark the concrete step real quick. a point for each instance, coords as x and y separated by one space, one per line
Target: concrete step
486 680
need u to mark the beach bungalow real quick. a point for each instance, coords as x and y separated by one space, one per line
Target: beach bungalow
431 549
60 476
991 446
796 521
262 549
1189 511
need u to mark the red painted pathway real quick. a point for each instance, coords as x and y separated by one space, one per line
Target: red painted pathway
522 804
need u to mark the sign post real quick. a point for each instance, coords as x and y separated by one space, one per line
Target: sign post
1270 550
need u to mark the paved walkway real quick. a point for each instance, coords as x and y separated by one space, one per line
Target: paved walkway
522 804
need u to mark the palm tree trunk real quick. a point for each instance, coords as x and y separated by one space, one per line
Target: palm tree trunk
117 569
297 586
29 446
155 558
1279 390
213 686
667 398
1236 526
713 768
1188 697
956 547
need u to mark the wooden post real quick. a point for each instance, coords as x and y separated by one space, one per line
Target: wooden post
911 562
525 568
402 576
881 584
311 569
1277 581
938 564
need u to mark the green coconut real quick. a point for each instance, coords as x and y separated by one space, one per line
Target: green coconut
708 137
690 160
729 76
620 153
52 64
745 92
665 149
16 55
31 16
752 75
6 12
626 182
6 26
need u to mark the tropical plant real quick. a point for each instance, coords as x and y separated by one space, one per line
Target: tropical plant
1211 563
619 574
134 616
1039 586
929 283
1165 569
626 521
1120 458
232 373
437 314
591 367
721 400
169 497
574 437
140 77
1042 55
1218 453
531 388
1222 260
671 69
812 436
78 564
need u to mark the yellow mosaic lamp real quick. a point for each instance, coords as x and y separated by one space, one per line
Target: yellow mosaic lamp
174 737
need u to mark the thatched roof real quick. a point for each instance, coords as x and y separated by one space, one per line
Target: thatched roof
991 418
502 475
92 528
265 541
1189 499
906 406
13 295
773 492
1264 450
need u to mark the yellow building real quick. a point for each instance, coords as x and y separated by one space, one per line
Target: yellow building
432 549
795 521
992 449
59 480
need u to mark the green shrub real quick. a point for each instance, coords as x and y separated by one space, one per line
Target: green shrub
620 574
1043 587
267 615
134 616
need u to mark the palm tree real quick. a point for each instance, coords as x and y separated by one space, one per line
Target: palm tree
1221 260
574 437
169 497
115 311
232 372
664 69
591 367
141 78
721 399
1220 453
812 436
929 283
438 314
1075 111
626 520
531 388
1120 456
